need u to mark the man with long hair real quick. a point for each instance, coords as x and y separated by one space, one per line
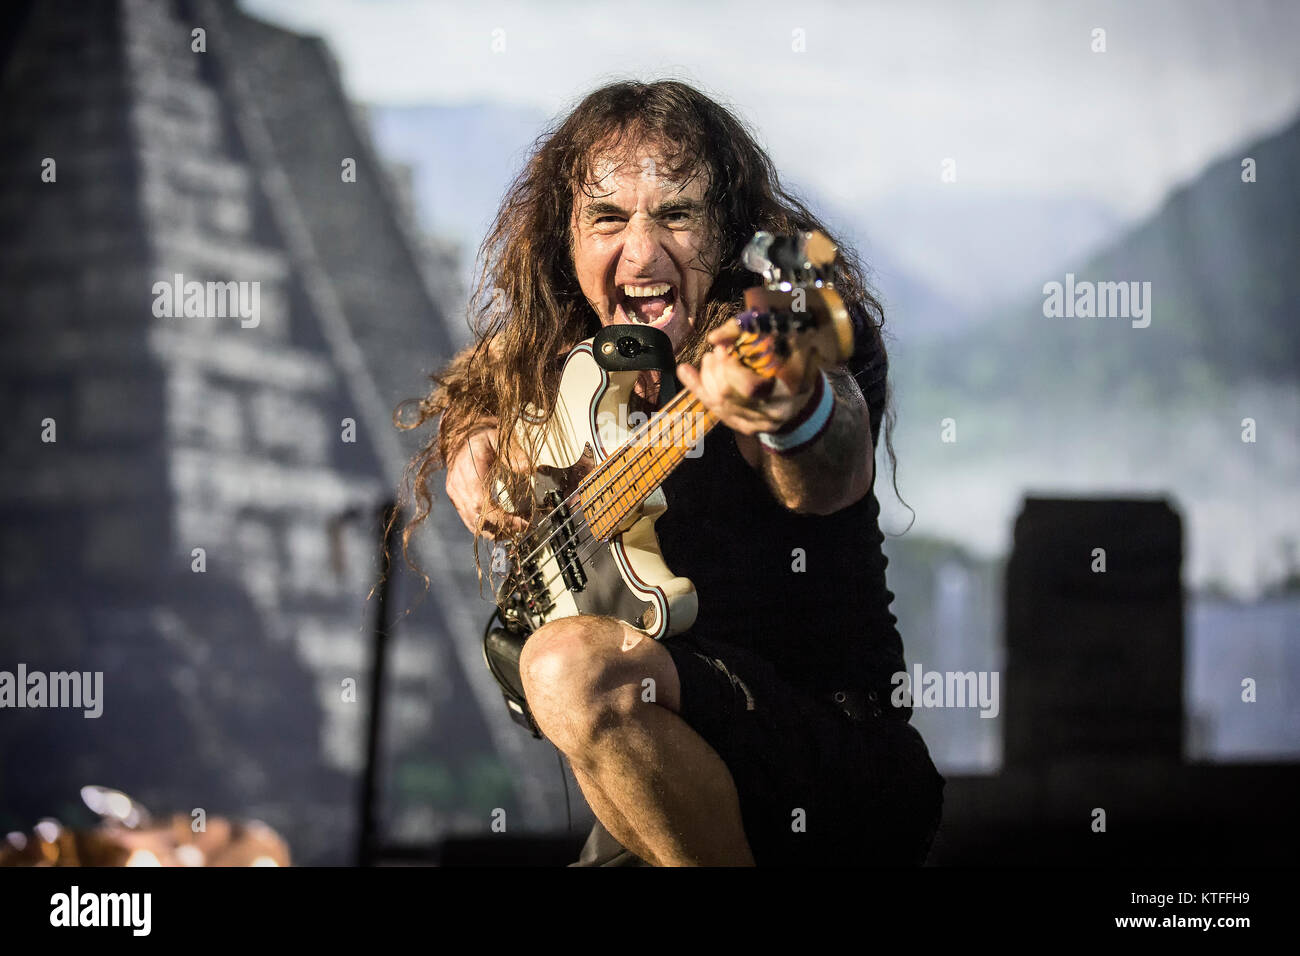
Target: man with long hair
771 737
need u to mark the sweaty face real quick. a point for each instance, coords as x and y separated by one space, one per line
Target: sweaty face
643 248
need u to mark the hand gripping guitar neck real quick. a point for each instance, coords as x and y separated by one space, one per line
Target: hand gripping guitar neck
591 547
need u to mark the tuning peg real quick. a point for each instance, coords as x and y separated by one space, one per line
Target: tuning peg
819 249
755 255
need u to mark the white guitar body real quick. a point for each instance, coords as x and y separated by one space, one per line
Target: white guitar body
625 577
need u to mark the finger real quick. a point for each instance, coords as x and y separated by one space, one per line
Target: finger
732 382
463 491
713 380
689 378
723 401
469 514
498 524
475 506
465 496
499 515
724 334
761 390
703 388
747 384
747 405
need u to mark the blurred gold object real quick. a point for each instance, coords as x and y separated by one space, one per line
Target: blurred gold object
128 836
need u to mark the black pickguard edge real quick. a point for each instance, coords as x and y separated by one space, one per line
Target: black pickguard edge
605 593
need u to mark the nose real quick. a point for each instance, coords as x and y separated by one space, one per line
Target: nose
641 243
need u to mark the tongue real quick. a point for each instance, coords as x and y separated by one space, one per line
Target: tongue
647 309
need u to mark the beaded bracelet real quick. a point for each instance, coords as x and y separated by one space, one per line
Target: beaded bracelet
806 427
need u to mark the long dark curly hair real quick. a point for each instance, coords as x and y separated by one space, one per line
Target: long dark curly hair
527 309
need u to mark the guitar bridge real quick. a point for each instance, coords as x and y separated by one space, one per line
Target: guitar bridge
523 598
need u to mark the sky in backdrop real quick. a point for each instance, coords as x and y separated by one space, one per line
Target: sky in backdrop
1058 150
882 93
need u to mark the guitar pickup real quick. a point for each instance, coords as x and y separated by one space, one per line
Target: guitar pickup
566 551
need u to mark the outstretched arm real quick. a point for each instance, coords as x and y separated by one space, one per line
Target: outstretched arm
831 471
835 469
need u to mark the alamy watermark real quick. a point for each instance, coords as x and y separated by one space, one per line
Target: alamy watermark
1099 300
939 689
84 689
75 908
179 299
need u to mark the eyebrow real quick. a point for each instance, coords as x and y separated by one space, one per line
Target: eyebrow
603 207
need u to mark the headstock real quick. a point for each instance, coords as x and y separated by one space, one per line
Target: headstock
795 322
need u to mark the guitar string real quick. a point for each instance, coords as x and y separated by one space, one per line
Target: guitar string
647 464
635 461
683 397
581 521
657 422
642 457
748 351
550 518
591 546
595 542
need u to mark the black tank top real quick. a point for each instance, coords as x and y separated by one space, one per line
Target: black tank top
806 592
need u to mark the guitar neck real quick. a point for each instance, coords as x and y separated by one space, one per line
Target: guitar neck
796 269
629 476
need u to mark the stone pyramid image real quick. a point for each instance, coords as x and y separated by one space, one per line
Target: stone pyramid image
214 301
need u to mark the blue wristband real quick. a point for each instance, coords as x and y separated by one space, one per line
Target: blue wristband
806 427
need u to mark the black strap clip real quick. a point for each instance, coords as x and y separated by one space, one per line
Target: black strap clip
631 348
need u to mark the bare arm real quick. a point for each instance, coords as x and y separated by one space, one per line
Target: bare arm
834 471
468 468
468 486
828 474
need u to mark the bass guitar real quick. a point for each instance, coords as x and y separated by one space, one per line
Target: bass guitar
595 483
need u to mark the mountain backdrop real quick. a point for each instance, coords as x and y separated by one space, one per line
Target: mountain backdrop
1098 406
1068 405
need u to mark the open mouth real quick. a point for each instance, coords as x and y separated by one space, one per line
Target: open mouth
650 304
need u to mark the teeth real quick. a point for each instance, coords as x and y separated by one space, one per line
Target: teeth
641 291
665 318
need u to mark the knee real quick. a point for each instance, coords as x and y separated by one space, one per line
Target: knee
573 682
557 662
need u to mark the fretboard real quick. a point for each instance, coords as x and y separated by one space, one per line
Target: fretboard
629 476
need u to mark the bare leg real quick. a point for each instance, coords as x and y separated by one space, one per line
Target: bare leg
610 817
659 788
673 797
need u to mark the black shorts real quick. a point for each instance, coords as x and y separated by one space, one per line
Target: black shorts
816 786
